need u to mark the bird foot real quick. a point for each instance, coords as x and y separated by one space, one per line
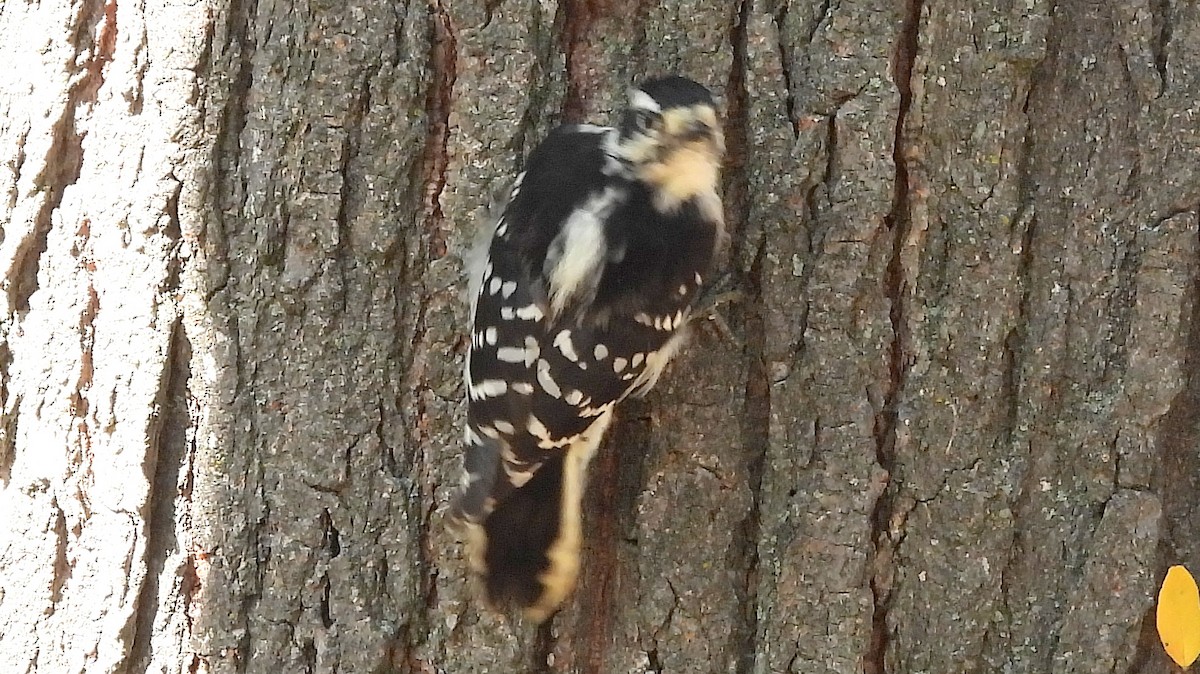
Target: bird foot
723 291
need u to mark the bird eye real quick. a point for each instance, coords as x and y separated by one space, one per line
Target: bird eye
696 130
646 120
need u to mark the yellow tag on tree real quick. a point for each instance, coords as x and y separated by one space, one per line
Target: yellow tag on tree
1179 616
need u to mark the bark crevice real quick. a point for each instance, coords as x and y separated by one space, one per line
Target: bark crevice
1176 478
443 64
1162 40
755 415
575 19
168 464
898 221
62 168
8 413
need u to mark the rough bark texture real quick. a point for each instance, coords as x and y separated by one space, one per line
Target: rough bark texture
958 429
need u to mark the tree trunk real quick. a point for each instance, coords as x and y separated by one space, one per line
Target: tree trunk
956 427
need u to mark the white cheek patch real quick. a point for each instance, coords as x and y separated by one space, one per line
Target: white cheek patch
641 100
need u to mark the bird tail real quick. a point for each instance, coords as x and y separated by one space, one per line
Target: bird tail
526 550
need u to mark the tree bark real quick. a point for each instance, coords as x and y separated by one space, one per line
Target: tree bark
956 427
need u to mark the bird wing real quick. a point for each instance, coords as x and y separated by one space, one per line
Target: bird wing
536 267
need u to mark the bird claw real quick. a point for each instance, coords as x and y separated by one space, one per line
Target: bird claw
723 291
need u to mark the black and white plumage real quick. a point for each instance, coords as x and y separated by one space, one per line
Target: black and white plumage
590 277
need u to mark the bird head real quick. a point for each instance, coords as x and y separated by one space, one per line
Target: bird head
669 138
